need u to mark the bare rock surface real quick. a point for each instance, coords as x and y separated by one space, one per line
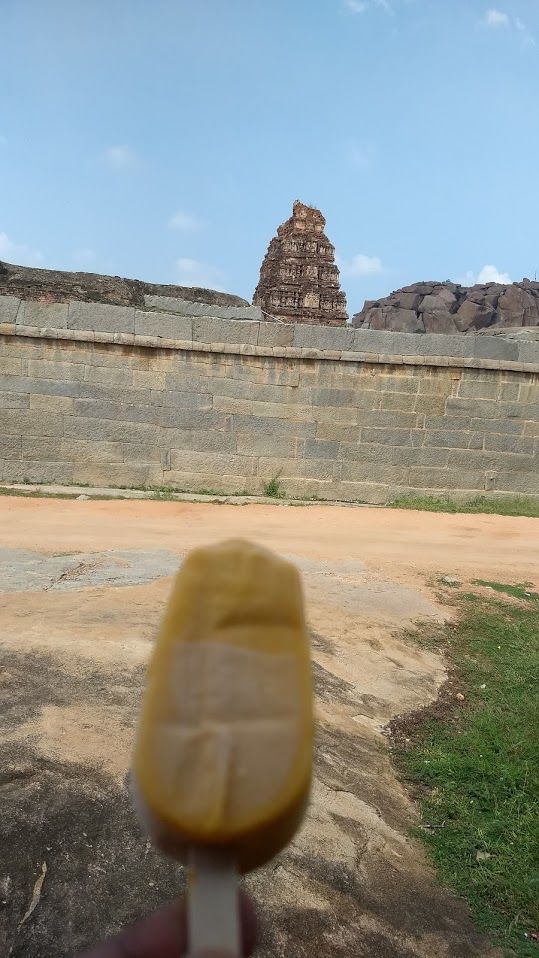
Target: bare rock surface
23 570
354 881
451 308
57 286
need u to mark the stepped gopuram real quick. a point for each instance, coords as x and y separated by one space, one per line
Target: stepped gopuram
299 281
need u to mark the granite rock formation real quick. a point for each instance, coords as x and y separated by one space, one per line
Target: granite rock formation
299 281
451 308
57 286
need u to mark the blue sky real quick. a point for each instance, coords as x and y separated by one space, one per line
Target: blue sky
166 140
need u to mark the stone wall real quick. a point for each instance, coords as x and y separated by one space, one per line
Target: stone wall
96 394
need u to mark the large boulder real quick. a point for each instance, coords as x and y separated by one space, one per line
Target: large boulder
450 308
443 300
472 314
518 305
409 300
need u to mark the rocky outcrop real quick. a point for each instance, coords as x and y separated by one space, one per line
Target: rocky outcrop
57 286
299 281
451 308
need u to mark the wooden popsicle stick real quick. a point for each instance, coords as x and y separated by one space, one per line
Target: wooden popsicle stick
212 901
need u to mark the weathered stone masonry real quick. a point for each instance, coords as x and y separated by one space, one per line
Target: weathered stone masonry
299 281
89 393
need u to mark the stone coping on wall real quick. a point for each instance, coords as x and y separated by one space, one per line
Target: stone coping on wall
183 307
130 326
279 352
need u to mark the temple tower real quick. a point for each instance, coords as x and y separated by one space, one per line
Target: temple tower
299 281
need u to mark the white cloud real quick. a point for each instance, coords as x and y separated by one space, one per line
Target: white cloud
487 274
527 37
191 272
19 253
120 157
83 256
185 221
361 265
495 18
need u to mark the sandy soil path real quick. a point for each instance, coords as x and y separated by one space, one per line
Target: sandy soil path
82 585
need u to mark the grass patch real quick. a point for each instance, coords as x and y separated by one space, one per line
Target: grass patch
474 764
273 489
521 591
513 506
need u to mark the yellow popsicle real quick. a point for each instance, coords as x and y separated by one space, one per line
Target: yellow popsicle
223 753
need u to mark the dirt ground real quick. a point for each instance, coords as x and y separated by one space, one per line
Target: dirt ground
82 586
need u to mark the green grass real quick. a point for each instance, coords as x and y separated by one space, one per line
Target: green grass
475 764
272 488
521 591
511 506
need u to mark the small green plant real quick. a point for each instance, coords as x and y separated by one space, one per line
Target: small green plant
272 488
163 492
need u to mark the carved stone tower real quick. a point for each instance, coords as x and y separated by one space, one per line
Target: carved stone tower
299 281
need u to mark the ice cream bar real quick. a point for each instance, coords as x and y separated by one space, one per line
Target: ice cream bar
222 761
